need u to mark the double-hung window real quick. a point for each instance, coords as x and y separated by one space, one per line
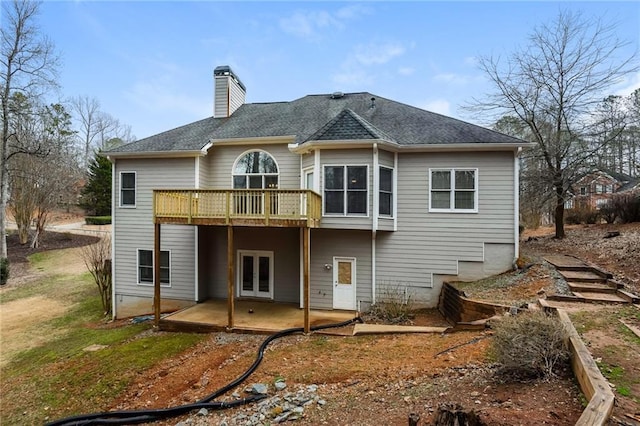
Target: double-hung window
346 190
146 270
386 192
453 190
127 189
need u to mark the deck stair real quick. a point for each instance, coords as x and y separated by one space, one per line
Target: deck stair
589 283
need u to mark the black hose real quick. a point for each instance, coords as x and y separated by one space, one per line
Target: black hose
145 416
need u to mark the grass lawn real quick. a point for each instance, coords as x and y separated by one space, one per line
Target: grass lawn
59 377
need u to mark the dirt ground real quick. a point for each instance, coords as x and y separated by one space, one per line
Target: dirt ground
374 380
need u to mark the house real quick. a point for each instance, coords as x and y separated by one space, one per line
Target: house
596 188
325 202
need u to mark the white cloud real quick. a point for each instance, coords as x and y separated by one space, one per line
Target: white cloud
349 79
307 24
451 78
310 24
406 70
440 106
376 54
628 85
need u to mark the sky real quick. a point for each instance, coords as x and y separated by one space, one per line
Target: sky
150 63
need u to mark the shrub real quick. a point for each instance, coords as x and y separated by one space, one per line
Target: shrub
97 220
627 207
4 270
608 212
393 304
530 344
580 215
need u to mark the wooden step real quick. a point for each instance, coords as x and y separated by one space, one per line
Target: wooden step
591 287
600 297
564 262
582 276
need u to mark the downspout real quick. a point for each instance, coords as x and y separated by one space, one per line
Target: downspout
394 196
374 227
516 204
196 238
113 239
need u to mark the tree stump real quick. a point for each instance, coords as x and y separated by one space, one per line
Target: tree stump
414 418
455 415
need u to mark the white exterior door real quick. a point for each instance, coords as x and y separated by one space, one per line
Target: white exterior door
344 283
255 274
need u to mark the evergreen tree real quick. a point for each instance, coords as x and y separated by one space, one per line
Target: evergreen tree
96 195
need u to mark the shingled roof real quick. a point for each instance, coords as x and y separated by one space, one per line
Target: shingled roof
317 118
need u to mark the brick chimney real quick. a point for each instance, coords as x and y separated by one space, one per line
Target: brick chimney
229 92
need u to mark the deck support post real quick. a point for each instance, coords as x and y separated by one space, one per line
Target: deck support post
156 274
230 268
306 234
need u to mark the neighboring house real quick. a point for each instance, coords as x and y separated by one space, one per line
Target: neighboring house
595 189
323 202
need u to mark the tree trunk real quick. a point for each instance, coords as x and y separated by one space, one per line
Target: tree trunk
559 212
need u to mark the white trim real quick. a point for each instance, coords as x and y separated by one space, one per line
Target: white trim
376 187
135 190
345 191
373 267
151 284
395 191
452 189
391 146
393 197
235 163
113 240
256 254
516 205
196 266
354 279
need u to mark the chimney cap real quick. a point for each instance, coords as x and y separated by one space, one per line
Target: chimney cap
337 95
225 70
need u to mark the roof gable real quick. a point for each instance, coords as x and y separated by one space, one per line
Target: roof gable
348 126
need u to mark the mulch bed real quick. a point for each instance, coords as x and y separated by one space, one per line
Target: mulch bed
18 253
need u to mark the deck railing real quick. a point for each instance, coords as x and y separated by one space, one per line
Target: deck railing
229 205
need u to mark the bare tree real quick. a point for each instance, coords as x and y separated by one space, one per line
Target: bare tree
96 128
552 85
97 259
27 66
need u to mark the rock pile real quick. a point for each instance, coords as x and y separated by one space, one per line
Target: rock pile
282 406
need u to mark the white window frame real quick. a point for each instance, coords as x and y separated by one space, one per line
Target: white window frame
393 210
135 190
249 175
345 191
452 189
146 283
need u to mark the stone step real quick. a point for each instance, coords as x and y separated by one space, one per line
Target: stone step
600 297
582 276
591 287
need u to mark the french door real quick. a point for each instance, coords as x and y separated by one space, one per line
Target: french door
255 274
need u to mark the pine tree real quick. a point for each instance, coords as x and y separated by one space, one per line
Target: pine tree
96 195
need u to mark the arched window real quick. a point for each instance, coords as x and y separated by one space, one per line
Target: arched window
255 169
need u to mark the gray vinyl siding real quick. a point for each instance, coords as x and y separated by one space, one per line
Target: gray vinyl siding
283 242
229 96
325 245
221 159
133 228
433 243
203 172
308 160
385 158
356 157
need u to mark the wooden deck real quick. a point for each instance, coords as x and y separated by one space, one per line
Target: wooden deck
238 207
250 316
